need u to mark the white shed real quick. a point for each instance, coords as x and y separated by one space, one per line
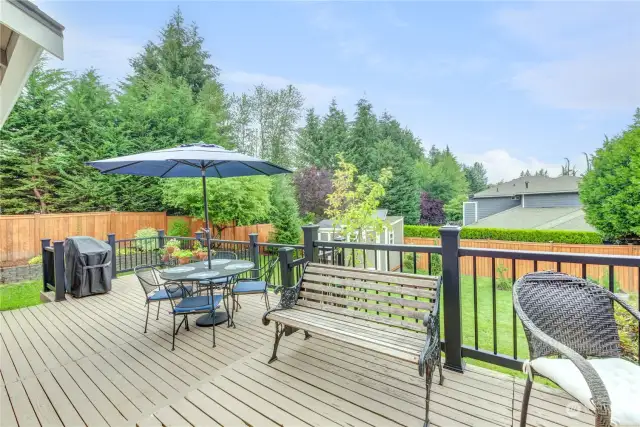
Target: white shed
25 32
392 234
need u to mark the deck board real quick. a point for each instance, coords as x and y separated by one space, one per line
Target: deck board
88 362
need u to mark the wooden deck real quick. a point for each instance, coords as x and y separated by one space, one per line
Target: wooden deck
87 362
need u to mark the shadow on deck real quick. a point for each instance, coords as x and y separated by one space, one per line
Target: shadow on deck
87 362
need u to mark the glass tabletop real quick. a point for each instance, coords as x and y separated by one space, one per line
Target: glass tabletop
199 270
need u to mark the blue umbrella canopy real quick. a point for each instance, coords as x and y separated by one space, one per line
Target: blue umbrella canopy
190 161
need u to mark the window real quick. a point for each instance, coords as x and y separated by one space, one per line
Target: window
391 242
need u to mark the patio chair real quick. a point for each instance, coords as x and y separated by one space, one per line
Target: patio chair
256 285
152 286
573 319
201 304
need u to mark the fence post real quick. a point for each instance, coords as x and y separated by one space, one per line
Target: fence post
286 274
160 239
310 235
111 239
452 298
44 243
58 263
254 253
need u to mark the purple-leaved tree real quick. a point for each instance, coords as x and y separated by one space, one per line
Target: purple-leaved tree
431 210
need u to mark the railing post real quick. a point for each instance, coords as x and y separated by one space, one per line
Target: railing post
254 253
310 235
58 263
286 274
160 239
452 298
111 239
44 243
340 252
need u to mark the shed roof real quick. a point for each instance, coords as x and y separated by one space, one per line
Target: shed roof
532 185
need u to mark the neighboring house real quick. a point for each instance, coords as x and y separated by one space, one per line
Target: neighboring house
25 32
530 202
392 234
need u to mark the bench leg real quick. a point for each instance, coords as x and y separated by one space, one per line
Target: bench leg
307 335
428 377
279 333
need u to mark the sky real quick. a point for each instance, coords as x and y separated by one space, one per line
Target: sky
512 85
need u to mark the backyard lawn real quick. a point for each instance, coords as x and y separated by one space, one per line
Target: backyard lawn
17 295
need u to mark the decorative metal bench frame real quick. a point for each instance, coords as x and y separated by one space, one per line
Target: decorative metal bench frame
387 312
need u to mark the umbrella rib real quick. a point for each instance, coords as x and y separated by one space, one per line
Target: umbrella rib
217 171
249 166
120 167
169 170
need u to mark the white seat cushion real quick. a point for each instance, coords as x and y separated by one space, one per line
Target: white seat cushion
620 377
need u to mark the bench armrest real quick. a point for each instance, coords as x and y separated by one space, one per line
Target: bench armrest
431 350
287 300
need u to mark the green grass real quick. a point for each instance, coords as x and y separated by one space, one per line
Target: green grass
17 295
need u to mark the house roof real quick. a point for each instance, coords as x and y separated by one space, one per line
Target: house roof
380 213
532 185
537 218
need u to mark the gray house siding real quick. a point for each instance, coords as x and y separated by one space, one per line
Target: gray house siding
493 205
398 239
469 212
557 200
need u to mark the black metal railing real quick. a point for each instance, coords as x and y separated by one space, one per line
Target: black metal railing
478 316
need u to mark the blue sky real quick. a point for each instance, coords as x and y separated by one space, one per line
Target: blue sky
514 85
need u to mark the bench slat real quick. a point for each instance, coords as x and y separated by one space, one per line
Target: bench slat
369 296
354 273
359 304
358 314
402 290
286 318
382 332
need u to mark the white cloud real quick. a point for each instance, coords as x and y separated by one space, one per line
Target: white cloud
502 165
596 82
316 95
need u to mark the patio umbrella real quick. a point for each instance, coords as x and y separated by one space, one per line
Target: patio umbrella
190 161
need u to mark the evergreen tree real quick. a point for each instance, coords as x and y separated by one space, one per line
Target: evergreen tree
402 197
284 212
87 122
311 151
476 177
335 132
29 143
179 54
389 128
441 176
363 137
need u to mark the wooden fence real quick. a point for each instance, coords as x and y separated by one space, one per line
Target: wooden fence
626 278
20 234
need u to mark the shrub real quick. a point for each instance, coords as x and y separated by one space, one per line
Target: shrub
503 283
35 260
514 235
180 228
149 243
173 242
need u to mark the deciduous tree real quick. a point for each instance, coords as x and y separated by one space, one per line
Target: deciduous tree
431 210
312 187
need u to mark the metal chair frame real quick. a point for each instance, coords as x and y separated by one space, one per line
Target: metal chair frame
264 274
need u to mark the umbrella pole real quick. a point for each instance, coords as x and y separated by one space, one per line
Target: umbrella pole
207 232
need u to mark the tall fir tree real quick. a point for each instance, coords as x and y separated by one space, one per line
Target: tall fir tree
29 142
179 54
87 121
363 137
476 177
310 143
335 133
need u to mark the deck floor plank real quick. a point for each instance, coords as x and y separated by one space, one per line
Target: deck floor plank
87 361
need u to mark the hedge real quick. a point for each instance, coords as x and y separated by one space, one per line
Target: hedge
514 235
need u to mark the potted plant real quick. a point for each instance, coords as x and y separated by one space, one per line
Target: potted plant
172 245
199 251
166 256
184 256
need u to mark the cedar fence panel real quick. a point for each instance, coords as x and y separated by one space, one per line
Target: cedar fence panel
625 277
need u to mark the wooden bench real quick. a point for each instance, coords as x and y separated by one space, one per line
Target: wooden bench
391 313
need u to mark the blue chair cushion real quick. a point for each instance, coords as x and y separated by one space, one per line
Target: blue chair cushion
199 303
161 294
250 286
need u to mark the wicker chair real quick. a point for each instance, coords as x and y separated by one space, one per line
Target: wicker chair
573 319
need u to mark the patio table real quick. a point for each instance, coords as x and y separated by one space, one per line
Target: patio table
199 271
